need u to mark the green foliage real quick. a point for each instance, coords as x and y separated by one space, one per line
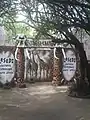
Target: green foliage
46 17
22 28
57 16
8 11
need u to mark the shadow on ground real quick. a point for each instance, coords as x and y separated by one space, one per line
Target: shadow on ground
41 101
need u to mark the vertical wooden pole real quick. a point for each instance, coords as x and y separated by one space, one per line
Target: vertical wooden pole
56 69
20 67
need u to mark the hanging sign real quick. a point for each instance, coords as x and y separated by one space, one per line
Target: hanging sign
69 65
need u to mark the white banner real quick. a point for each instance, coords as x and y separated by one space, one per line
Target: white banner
7 66
69 65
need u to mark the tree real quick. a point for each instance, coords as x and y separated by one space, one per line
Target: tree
61 16
8 11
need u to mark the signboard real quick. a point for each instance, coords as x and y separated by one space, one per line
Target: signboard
7 66
69 65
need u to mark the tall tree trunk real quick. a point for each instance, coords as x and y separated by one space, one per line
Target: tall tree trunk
82 86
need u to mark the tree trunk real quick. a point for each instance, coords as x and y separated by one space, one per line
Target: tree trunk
81 88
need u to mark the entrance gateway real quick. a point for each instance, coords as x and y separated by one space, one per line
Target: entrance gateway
39 60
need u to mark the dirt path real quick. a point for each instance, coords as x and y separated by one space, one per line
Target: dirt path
42 102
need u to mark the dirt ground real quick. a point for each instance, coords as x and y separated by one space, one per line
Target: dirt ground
42 101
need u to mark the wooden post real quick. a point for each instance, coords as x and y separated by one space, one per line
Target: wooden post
20 68
57 69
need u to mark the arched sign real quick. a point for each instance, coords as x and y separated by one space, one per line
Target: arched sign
7 66
69 65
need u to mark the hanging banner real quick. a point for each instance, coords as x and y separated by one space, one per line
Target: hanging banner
69 65
7 64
